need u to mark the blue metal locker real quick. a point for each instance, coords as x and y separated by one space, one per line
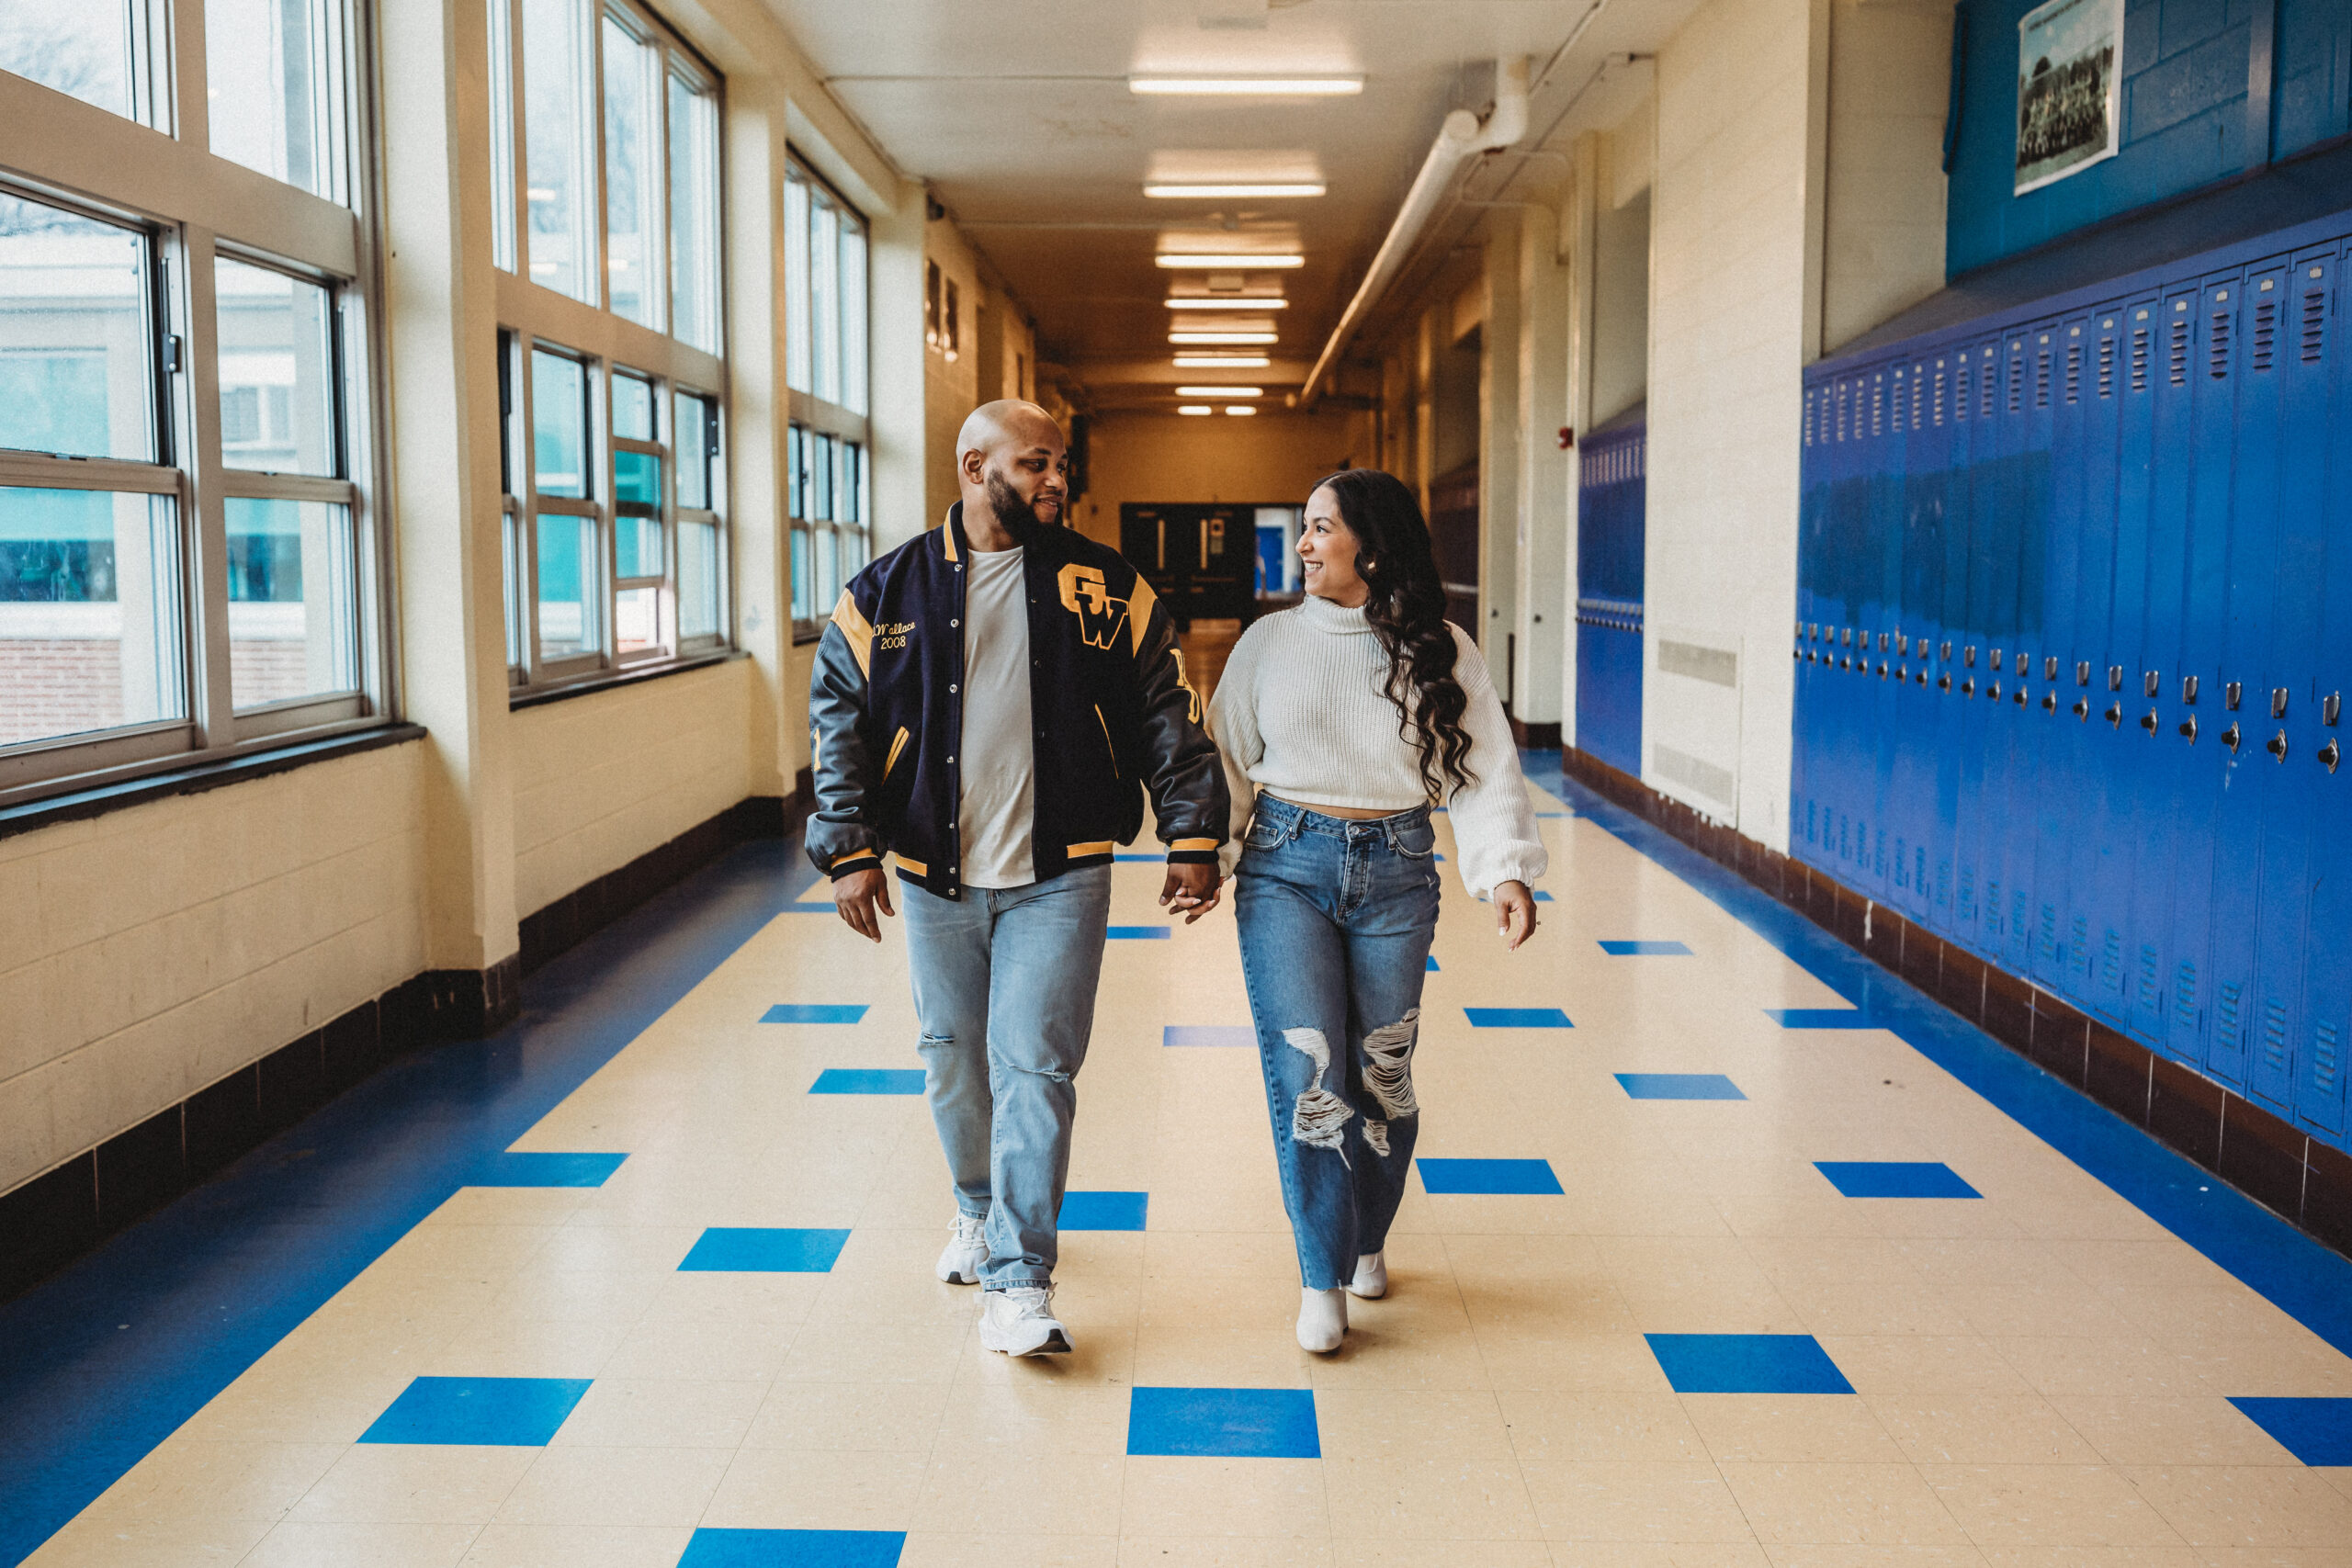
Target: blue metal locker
1960 767
1921 612
1801 684
2019 558
1888 528
2126 796
2063 362
2093 921
1992 603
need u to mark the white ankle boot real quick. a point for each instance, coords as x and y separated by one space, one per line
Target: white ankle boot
1322 1320
1372 1277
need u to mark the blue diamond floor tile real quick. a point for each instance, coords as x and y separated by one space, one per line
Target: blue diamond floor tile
521 1413
1239 1034
510 1170
1541 897
754 1250
1148 860
1678 1086
869 1081
1137 933
1428 964
1518 1017
793 1549
1104 1211
1746 1363
1645 949
2317 1431
1531 1178
1820 1018
1895 1179
814 1013
1223 1423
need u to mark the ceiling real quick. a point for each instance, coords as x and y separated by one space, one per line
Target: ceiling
1018 114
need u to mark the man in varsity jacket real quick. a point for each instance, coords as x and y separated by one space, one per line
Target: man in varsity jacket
989 702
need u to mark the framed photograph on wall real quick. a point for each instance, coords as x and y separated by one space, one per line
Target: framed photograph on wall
2069 100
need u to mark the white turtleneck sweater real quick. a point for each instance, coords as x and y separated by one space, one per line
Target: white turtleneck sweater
1302 711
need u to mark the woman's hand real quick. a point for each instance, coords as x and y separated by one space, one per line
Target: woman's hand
1514 913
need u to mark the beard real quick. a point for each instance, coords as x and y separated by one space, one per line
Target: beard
1019 517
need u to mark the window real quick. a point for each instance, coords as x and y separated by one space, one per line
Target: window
615 532
184 573
825 373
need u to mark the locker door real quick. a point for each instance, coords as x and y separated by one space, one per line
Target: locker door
2045 628
1991 605
1890 528
1919 613
1852 541
2241 1035
1802 821
1873 526
2098 810
2208 1024
2320 1069
2022 558
1960 771
1955 909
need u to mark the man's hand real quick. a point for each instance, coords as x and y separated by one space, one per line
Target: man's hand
857 895
1191 888
1514 913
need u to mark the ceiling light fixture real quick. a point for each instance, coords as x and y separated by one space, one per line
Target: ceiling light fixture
1195 408
1220 392
1222 361
1221 337
1235 189
1228 302
1240 409
1246 87
1227 262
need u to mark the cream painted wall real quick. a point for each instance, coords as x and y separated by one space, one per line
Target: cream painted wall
599 780
1269 460
1884 246
1734 261
150 952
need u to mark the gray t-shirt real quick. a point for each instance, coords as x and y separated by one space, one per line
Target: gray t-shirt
997 812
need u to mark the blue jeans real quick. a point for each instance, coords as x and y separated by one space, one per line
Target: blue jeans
1336 918
1004 982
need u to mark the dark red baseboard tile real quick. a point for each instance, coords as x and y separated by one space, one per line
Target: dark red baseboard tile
2296 1176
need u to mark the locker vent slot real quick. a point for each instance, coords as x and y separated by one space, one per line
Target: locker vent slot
2107 367
2327 1058
1938 404
2110 961
1915 395
1967 896
2315 324
1902 864
2139 359
2217 345
1985 385
2226 1021
1993 908
2049 944
1920 869
2266 332
2274 1055
2017 382
1878 408
1808 419
2042 379
2078 953
1841 411
1960 393
2180 351
2151 998
2073 372
2184 995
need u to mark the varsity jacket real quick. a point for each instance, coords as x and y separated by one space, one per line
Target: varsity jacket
1114 713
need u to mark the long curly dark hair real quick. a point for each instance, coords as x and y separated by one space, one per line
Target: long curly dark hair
1407 612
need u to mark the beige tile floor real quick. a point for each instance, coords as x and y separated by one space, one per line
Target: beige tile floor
2040 1377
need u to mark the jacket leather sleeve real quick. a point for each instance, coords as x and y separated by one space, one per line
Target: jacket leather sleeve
1181 768
840 837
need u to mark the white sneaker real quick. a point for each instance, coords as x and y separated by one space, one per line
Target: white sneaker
968 1248
1322 1320
1372 1277
1020 1321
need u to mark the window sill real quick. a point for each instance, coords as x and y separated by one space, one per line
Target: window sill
98 800
617 679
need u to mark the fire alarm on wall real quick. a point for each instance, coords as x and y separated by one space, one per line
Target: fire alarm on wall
1567 437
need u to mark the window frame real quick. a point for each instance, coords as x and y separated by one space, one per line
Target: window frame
534 316
816 540
155 172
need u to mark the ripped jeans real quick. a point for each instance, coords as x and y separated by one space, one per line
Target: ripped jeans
1004 981
1336 918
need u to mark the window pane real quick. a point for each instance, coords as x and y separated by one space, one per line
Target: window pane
273 72
636 480
77 360
804 575
566 586
693 214
637 547
828 576
818 462
277 370
632 176
558 141
692 440
632 406
83 51
509 558
825 298
502 133
853 316
698 580
293 610
560 425
636 625
796 281
89 613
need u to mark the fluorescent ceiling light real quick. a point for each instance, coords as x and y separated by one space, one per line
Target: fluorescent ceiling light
1225 302
1221 337
1222 361
1195 408
1247 86
1240 408
1229 262
1240 188
1220 392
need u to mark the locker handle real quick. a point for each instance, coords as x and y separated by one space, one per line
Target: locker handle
2115 714
2083 710
2329 754
2277 746
1967 687
2020 696
1943 682
2189 728
2229 739
2050 702
2148 723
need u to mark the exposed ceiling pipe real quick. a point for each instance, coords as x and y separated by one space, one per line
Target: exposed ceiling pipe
1461 137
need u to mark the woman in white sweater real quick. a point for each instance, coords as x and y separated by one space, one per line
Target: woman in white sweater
1342 722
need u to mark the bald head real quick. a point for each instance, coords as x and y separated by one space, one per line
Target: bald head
1009 459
